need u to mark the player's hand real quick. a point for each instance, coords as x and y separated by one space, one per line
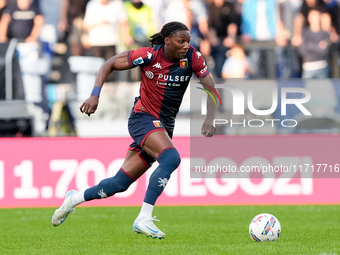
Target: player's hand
90 105
208 129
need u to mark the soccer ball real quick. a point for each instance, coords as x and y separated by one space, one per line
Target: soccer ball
264 227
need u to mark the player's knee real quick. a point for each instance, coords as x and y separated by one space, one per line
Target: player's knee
176 160
170 157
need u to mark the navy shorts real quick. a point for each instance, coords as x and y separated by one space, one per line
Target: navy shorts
140 125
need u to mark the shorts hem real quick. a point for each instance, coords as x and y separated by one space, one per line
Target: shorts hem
140 156
154 130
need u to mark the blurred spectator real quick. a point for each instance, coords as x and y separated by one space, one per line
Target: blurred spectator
334 10
49 33
287 58
287 11
193 13
301 20
198 22
262 33
104 19
176 10
238 64
223 28
71 23
51 11
158 9
2 7
141 22
314 49
22 20
259 20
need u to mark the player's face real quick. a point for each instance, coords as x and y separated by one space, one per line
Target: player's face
177 45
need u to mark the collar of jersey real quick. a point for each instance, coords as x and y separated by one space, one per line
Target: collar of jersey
166 57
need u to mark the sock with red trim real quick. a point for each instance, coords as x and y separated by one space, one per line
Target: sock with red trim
110 186
168 160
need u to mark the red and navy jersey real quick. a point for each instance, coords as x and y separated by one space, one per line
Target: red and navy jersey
163 82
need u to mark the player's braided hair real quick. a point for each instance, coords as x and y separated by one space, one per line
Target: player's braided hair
167 30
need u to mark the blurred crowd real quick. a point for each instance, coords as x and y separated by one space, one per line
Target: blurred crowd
60 44
238 38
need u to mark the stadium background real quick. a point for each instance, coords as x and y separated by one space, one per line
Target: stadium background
66 150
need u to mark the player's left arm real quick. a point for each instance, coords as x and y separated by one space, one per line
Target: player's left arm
208 83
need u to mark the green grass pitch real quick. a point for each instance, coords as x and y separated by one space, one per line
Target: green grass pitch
310 229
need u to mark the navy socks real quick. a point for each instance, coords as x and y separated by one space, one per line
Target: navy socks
169 159
108 187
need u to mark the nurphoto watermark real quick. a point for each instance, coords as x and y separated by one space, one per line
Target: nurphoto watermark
264 129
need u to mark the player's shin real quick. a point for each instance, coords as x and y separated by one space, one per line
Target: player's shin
108 187
168 160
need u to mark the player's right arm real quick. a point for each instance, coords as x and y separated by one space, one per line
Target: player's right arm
115 63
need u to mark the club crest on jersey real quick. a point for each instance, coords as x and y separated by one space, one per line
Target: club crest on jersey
149 74
183 63
138 61
157 123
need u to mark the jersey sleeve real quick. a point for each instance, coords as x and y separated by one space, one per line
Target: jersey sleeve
199 66
140 57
